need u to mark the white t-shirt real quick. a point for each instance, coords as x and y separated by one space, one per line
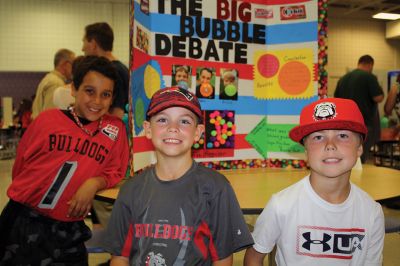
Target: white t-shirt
311 231
62 97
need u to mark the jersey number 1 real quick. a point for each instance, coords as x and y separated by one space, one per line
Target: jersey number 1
61 180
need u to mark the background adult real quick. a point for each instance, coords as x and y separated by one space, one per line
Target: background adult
393 103
393 99
61 74
98 40
362 86
25 114
62 97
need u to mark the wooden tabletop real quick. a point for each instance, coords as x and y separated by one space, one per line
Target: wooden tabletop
254 187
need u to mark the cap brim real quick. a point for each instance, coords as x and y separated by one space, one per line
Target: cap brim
166 105
299 132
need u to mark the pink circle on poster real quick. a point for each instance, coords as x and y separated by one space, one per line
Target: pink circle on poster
268 65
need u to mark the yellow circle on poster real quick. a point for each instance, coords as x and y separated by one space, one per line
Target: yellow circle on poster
152 81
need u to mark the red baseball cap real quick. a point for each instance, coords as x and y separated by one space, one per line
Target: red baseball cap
174 97
329 113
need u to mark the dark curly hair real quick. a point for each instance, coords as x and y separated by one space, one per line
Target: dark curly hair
83 64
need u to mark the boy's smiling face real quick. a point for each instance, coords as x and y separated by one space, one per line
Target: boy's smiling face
333 153
94 96
173 131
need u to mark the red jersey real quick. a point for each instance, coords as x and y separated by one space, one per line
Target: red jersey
26 119
55 157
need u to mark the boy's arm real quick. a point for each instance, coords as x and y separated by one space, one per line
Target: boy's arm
81 202
231 233
253 257
119 261
228 261
113 171
375 246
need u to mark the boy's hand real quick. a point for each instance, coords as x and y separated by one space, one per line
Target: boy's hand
81 202
119 261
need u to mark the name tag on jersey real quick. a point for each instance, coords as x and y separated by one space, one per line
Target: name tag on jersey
110 131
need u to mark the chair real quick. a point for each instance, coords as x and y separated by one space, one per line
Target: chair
94 244
392 224
387 153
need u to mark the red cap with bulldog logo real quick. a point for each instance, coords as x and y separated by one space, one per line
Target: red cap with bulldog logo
329 113
174 97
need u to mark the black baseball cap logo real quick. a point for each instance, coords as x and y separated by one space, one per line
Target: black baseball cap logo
184 92
325 111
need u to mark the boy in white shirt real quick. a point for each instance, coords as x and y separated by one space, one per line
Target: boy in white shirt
323 219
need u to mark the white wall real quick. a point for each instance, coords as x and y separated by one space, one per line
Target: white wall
31 31
348 39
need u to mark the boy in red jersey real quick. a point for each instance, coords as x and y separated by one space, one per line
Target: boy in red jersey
63 159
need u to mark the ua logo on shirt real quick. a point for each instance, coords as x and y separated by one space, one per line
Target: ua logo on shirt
329 242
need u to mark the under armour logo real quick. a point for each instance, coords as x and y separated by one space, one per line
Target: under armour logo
328 242
323 242
347 244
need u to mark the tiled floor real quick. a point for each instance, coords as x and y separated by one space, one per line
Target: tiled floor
391 254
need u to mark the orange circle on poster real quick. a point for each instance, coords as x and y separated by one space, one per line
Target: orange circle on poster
206 89
268 65
294 77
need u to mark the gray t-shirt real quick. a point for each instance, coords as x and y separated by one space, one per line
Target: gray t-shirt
193 220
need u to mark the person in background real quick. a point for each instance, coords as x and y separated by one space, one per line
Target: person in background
323 219
361 86
393 103
62 97
176 212
61 75
25 114
62 160
98 40
393 99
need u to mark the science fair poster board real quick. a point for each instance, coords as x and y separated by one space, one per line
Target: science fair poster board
252 64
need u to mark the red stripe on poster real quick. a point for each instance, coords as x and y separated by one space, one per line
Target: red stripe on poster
241 143
142 144
139 58
315 74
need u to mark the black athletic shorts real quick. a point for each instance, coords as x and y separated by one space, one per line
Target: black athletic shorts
29 238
